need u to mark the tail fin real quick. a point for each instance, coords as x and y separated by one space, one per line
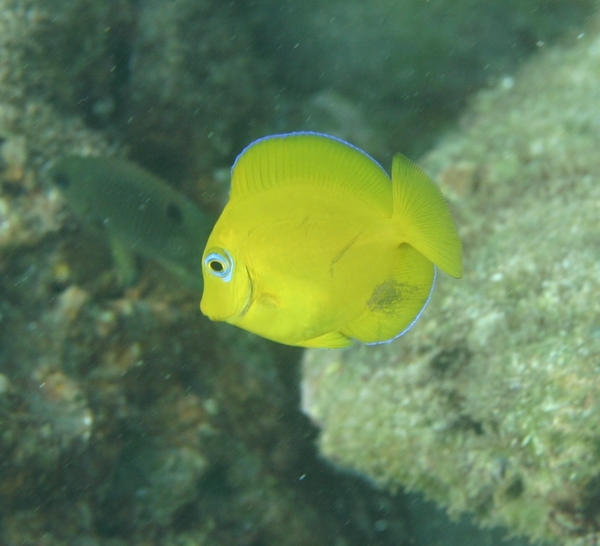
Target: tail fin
422 211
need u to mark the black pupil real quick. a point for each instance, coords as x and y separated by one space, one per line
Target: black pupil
216 266
62 179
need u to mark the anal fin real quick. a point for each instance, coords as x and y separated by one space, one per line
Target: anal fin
396 303
124 261
332 340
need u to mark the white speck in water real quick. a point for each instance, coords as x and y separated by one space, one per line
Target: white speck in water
508 82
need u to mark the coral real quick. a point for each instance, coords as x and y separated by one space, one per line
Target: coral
489 405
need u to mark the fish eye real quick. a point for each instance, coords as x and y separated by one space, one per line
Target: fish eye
219 263
61 179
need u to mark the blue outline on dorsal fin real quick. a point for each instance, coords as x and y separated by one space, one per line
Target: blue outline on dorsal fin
300 133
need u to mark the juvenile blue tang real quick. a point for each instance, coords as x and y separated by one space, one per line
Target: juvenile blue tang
317 247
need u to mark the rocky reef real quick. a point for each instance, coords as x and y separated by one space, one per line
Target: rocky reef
490 404
126 417
407 67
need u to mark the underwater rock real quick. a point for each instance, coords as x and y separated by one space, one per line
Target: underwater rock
490 404
409 65
197 92
178 82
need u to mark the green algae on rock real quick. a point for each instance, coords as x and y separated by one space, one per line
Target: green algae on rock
490 405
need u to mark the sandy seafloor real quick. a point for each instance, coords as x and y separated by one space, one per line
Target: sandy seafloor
128 418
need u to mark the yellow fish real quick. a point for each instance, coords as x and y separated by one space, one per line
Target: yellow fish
317 246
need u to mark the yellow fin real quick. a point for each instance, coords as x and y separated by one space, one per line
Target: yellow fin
423 213
313 159
396 303
124 261
332 340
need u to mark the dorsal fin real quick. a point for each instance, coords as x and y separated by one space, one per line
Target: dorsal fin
313 159
424 217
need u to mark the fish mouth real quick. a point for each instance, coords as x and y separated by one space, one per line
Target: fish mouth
233 312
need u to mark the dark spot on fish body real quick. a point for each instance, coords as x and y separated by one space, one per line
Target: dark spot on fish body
61 179
174 213
388 295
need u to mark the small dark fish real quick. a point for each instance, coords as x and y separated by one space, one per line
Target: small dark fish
140 213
